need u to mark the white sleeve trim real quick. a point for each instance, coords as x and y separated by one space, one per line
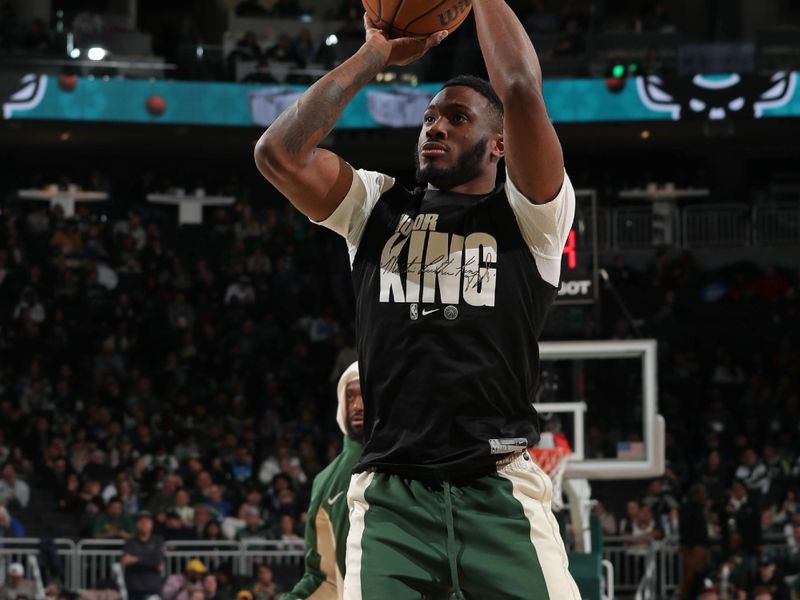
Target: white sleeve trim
544 227
350 217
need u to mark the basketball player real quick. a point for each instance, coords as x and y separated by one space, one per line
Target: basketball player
452 286
327 524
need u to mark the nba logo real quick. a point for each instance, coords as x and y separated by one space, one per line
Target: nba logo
414 312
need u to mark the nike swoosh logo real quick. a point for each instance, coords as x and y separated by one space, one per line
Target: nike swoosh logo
334 499
425 313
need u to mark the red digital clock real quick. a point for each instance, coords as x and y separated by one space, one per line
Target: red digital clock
579 258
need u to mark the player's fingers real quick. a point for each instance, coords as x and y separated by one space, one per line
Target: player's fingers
368 24
435 39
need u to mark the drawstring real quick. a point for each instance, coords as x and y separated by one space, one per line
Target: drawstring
451 543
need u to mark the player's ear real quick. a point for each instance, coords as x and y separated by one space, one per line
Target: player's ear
498 147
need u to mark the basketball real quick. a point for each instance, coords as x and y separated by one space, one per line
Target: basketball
402 18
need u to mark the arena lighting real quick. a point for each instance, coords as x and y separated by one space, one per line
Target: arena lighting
75 53
96 53
621 70
618 71
331 40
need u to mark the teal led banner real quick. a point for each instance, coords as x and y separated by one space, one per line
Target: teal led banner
648 98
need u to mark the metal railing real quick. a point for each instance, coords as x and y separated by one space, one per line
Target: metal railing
699 226
716 225
644 571
647 570
632 558
633 228
21 550
97 561
776 224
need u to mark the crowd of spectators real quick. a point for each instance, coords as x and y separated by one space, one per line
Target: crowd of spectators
188 373
729 387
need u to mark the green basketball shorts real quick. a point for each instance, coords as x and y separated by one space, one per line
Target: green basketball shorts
493 538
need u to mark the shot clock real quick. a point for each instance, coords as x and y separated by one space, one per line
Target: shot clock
579 258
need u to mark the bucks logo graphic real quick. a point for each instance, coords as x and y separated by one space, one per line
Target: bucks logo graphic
22 94
715 98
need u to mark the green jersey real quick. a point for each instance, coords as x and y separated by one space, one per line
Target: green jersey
327 527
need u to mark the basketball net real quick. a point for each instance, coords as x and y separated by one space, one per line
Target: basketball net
552 454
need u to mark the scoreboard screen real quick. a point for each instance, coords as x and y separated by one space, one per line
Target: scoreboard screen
579 259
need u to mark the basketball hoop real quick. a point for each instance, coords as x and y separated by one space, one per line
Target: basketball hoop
553 461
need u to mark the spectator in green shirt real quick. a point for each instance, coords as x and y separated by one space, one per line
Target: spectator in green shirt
114 523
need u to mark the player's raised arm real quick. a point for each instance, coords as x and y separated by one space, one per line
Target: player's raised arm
533 153
315 180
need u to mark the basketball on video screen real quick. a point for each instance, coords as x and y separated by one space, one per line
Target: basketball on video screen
417 17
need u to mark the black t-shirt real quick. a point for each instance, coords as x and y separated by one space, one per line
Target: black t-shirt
450 302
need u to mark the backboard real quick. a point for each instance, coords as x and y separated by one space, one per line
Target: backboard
603 395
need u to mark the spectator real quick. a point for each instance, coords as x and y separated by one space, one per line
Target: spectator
180 585
216 502
164 498
9 526
253 528
608 521
261 74
740 514
791 532
626 523
114 523
143 559
30 308
241 292
181 314
713 476
183 507
17 587
660 500
213 532
13 491
242 465
694 540
67 239
768 583
288 532
211 590
174 528
644 532
264 587
202 518
247 48
286 52
305 46
753 473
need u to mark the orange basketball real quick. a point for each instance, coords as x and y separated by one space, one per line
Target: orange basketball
417 17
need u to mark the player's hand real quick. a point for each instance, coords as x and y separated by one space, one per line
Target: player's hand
404 50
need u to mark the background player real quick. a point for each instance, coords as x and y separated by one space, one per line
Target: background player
452 287
327 524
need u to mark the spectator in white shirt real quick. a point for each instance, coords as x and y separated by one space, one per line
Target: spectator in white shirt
753 472
17 587
13 489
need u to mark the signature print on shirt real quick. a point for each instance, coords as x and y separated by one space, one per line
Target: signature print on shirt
417 260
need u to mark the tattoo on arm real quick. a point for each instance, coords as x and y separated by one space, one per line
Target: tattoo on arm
316 113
